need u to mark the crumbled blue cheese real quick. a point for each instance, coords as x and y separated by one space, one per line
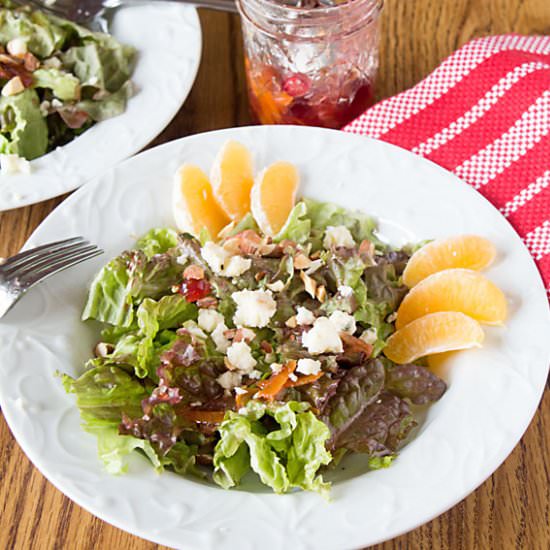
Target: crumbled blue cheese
369 336
239 355
308 366
240 391
276 367
304 316
345 291
236 265
322 338
209 319
14 164
336 236
218 337
17 47
215 256
254 308
228 380
344 322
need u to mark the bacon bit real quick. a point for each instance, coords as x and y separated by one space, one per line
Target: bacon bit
15 68
291 322
301 261
321 293
266 346
209 417
276 382
31 63
303 380
193 272
309 284
353 344
208 302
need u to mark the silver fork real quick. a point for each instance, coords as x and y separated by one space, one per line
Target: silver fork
26 269
98 14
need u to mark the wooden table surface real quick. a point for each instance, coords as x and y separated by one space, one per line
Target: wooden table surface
511 510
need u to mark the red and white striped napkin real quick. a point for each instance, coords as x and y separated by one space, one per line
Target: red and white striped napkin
484 114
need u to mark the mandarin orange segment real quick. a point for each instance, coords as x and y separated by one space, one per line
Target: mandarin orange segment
460 290
232 178
464 251
273 196
433 333
194 204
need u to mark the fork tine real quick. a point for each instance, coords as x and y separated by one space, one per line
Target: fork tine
46 248
44 260
34 278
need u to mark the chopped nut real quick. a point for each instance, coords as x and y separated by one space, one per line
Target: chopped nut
194 272
230 333
277 286
31 62
309 284
13 87
103 349
10 59
17 47
321 293
291 322
244 334
391 317
226 230
315 265
301 261
260 275
316 255
175 289
228 364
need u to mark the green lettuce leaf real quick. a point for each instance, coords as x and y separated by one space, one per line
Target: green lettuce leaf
285 457
64 86
112 105
297 227
157 241
24 130
324 214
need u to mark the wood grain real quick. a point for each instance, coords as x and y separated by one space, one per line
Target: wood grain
511 510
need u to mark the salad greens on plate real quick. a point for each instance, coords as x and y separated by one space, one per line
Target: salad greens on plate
252 354
57 79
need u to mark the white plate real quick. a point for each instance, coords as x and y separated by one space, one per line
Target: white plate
168 39
493 392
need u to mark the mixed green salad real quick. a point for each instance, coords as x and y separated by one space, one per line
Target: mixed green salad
57 79
251 353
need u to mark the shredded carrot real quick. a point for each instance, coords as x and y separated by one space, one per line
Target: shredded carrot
276 382
197 415
308 379
241 399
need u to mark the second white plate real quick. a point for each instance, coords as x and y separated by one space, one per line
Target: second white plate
168 39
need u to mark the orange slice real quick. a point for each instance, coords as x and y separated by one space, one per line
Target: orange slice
466 251
232 179
433 333
194 205
454 290
273 196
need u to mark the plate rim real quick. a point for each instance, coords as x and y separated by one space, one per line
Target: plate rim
495 464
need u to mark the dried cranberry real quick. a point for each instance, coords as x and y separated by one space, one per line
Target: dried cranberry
195 289
296 85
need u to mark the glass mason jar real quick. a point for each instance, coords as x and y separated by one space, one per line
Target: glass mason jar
310 65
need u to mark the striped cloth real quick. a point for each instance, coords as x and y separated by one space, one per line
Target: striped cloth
484 114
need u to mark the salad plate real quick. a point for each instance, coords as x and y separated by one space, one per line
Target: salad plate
167 38
492 392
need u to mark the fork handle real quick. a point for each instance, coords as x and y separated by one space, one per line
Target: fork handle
220 5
